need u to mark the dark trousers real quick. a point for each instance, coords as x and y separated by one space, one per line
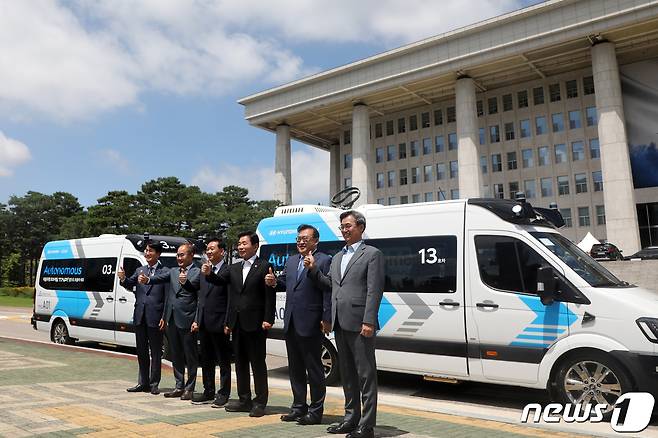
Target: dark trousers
249 350
148 339
184 353
215 348
304 360
358 371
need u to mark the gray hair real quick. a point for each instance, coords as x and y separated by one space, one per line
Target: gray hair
358 217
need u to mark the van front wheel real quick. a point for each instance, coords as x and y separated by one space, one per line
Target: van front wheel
60 333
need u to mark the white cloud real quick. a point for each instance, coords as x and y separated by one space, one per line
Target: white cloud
115 160
12 153
310 177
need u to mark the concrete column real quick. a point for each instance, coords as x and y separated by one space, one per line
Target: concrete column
334 170
467 135
282 178
618 192
361 175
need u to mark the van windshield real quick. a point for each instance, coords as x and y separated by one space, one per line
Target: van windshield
582 264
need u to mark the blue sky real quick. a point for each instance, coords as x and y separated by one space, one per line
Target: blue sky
105 95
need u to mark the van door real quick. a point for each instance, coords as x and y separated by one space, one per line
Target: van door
513 328
124 305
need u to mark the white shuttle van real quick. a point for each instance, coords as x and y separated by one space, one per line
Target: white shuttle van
488 290
78 295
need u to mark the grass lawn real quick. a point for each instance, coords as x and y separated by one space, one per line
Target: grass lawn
15 301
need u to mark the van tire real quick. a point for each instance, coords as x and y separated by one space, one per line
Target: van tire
583 367
329 357
59 333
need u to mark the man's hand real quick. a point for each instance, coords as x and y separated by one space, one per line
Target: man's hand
326 327
227 330
367 330
194 328
121 274
161 326
182 276
309 261
142 279
206 268
270 279
266 325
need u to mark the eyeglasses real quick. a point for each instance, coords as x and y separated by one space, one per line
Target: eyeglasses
344 227
303 239
181 254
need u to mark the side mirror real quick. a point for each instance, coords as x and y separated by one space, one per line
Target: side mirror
546 285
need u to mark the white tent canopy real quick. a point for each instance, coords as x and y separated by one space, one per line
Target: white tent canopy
587 242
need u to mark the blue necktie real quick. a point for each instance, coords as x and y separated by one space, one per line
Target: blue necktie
300 267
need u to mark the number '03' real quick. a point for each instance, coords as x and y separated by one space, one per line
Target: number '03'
428 256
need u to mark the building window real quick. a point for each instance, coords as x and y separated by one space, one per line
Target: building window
413 122
380 180
379 155
454 194
563 185
482 137
391 178
413 147
389 127
583 216
540 125
597 180
544 156
572 89
513 189
390 152
524 130
483 164
404 199
522 99
600 215
415 175
538 96
574 120
577 151
452 141
509 131
347 137
511 161
546 187
347 161
591 116
427 173
581 182
566 215
451 114
454 169
392 200
594 149
380 201
554 92
403 177
440 171
402 151
415 198
479 108
560 153
429 196
558 122
492 103
425 120
427 146
496 163
588 85
347 182
507 102
439 146
499 191
378 130
402 127
528 158
440 195
530 188
438 117
494 134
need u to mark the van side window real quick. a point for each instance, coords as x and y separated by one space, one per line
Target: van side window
130 265
91 274
506 263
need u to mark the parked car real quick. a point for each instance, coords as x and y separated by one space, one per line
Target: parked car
648 253
605 251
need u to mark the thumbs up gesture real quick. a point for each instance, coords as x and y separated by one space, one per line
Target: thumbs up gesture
121 274
206 268
270 279
182 276
309 261
142 279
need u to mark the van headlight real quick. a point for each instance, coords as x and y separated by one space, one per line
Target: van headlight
649 327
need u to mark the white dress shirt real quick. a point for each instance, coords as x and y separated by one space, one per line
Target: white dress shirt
348 253
246 267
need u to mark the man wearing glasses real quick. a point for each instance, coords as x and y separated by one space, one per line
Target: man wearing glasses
306 318
356 279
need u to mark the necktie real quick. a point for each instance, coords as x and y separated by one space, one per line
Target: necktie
300 267
151 270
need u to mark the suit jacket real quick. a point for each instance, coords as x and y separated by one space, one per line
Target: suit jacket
149 298
306 303
213 304
180 300
355 297
252 302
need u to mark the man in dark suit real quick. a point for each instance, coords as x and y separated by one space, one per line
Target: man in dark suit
307 316
179 313
250 315
147 318
356 279
210 320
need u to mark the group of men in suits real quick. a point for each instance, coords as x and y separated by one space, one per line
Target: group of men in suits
323 294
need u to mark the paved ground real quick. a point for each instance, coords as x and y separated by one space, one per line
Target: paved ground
53 390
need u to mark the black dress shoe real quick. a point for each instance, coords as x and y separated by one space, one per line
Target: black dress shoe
202 399
138 388
174 393
220 401
362 432
257 411
341 428
309 419
238 407
155 390
292 416
187 395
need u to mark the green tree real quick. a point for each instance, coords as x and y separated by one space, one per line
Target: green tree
118 212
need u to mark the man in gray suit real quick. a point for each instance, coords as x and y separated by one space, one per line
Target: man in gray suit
179 312
356 279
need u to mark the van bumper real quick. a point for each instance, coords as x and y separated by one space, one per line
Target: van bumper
643 369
